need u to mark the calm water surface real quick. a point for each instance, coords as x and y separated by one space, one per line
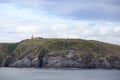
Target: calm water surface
54 74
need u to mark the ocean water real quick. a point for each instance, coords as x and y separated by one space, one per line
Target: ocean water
58 74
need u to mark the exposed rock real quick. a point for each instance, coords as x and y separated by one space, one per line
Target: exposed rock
114 61
0 60
61 62
53 62
9 60
71 63
106 64
25 62
87 61
99 63
70 53
35 62
29 61
60 53
38 60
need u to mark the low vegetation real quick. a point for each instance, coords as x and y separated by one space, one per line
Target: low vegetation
58 47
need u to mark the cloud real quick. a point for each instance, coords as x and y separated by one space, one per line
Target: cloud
103 31
86 19
107 10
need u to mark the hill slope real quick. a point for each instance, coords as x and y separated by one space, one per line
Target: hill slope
60 53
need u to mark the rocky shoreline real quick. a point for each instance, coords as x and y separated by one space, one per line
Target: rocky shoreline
85 62
47 53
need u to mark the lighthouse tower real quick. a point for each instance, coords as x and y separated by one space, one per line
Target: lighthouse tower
32 37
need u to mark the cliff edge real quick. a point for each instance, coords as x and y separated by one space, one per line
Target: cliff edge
60 53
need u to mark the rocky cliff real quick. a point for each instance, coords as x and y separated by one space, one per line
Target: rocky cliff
60 53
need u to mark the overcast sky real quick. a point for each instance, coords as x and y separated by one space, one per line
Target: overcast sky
85 19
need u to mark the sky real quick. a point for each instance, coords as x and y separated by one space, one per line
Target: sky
84 19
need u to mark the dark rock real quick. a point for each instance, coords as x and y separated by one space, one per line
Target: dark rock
100 63
35 62
86 61
25 62
114 61
52 62
28 61
38 61
61 62
0 60
9 60
72 63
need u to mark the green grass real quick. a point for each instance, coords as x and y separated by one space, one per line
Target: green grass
58 47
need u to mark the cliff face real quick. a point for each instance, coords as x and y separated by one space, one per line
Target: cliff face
60 53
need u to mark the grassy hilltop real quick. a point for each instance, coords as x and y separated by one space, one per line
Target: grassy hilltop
58 47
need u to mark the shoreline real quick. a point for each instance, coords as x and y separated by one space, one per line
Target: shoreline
61 68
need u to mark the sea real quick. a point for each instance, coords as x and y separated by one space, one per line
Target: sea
58 74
